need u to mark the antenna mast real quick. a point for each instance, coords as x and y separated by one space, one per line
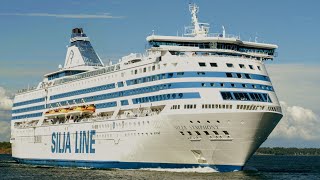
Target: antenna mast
197 29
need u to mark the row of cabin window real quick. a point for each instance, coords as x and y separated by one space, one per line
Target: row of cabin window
275 109
242 75
178 74
155 88
157 98
28 102
106 105
205 132
190 106
175 107
142 91
246 96
216 106
250 107
27 116
112 95
89 74
234 85
230 65
83 91
238 75
34 108
149 79
145 69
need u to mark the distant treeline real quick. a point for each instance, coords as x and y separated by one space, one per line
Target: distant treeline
289 151
5 148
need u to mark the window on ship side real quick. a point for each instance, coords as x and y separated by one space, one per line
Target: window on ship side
229 65
213 64
202 64
259 68
229 74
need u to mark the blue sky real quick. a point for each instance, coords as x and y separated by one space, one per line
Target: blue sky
40 38
34 35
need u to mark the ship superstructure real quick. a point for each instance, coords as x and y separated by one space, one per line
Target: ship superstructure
196 100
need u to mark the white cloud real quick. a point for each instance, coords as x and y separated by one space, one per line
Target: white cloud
297 84
5 101
298 123
70 16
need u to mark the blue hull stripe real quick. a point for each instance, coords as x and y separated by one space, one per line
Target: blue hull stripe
122 165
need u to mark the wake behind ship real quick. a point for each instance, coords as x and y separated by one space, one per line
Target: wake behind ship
199 100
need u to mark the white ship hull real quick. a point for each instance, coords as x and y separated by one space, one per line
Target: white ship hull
156 142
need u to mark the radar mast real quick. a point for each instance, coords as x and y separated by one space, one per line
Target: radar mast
197 29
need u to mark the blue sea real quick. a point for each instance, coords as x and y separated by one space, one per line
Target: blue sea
258 167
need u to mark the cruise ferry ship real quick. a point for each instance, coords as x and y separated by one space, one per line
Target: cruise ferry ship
197 100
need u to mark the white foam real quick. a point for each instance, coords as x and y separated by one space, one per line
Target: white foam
196 170
85 167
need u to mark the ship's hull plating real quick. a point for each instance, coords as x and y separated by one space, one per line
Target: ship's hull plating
151 142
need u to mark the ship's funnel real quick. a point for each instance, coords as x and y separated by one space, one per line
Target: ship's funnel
80 52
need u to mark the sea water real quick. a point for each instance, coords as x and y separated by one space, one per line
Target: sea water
258 167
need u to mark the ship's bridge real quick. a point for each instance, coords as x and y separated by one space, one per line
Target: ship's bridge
217 43
198 38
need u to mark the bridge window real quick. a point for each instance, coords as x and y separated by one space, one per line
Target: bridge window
251 67
206 132
215 132
198 133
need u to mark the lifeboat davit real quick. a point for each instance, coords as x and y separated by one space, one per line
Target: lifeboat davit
90 108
